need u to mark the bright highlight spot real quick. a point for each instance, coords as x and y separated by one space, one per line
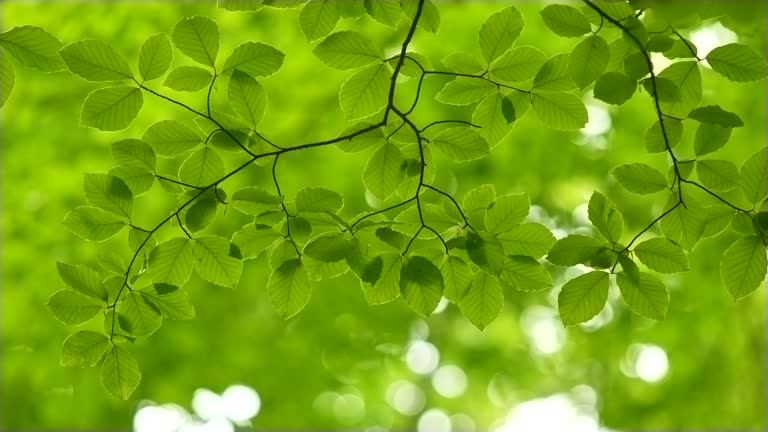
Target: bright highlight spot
544 331
422 357
241 403
449 381
644 361
155 418
651 364
441 306
208 405
434 420
711 36
405 397
555 413
599 121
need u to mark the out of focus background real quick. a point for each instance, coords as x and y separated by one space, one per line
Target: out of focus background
341 364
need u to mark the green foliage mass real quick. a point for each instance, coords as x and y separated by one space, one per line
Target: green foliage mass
422 242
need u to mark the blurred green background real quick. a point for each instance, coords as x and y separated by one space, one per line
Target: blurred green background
340 363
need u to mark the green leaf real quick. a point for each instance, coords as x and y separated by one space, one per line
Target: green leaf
530 239
665 90
387 12
412 64
111 108
517 65
387 287
554 75
391 237
172 301
715 115
318 200
561 111
662 255
198 38
461 144
463 63
138 180
605 217
93 223
289 288
457 277
743 224
464 91
120 372
365 92
421 284
200 214
254 200
214 263
137 316
659 43
33 47
202 168
347 50
507 212
83 349
82 279
687 77
574 249
753 175
483 301
566 21
361 141
479 199
717 219
7 77
524 273
188 79
328 248
74 308
171 261
155 57
489 115
645 295
583 297
614 88
318 18
95 61
588 60
640 178
717 174
743 266
255 59
634 31
681 48
636 66
685 224
430 16
254 238
737 62
655 141
710 138
135 154
499 32
169 138
384 171
486 251
109 193
247 97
